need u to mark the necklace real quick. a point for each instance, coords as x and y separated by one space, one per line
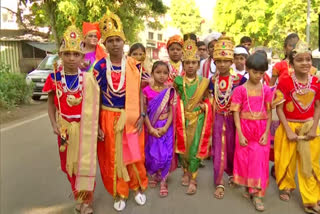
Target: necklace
64 82
196 80
222 99
255 115
109 71
158 88
300 88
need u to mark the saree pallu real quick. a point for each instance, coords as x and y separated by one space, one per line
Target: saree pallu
286 159
251 162
159 151
223 146
109 163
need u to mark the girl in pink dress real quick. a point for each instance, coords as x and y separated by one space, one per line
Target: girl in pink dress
251 106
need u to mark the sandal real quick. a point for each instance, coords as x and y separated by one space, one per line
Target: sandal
192 189
219 193
163 189
153 182
312 210
185 179
77 208
86 209
285 194
230 182
246 194
258 204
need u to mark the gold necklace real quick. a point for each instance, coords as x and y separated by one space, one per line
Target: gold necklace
176 65
196 80
158 88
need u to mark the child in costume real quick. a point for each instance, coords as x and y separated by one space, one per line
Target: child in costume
159 100
92 50
251 106
75 96
223 137
240 56
297 138
121 152
193 117
174 47
207 66
138 51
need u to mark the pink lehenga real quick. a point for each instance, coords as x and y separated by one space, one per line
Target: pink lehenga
251 162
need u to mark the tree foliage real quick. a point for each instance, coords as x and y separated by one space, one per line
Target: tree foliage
267 22
56 14
185 16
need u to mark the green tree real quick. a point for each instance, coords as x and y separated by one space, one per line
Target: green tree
56 14
267 22
185 16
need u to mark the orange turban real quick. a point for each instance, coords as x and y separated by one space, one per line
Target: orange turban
94 27
175 39
90 27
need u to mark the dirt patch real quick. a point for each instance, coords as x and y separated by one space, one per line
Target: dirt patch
24 111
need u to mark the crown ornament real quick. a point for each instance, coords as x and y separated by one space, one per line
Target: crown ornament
190 50
300 47
223 49
72 39
110 25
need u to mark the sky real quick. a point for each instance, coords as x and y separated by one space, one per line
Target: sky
205 6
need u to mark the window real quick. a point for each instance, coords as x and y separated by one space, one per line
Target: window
150 35
160 37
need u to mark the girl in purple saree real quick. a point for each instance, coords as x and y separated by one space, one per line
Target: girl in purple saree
158 101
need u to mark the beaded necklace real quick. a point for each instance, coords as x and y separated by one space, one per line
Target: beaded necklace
64 82
253 114
300 88
122 77
225 97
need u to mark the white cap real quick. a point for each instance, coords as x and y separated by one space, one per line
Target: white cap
211 37
240 50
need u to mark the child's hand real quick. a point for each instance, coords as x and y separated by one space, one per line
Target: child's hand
264 139
56 129
292 136
312 134
162 131
154 132
242 140
100 135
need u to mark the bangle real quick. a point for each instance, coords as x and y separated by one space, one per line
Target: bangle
142 114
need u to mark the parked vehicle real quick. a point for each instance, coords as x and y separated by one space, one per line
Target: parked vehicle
39 75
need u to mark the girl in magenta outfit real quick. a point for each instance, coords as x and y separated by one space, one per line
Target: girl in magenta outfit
160 134
251 106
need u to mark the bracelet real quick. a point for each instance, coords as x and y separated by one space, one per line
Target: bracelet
142 114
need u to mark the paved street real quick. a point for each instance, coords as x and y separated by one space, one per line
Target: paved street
32 183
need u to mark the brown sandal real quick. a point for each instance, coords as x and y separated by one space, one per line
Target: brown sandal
258 205
192 189
285 195
219 193
163 189
86 209
312 210
185 180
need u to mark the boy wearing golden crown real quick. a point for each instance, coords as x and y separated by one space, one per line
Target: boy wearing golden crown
75 96
223 137
297 138
121 152
193 118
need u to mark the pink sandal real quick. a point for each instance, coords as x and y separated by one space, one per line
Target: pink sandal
163 189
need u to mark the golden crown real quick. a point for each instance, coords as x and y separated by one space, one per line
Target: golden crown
110 25
301 47
224 48
72 39
190 50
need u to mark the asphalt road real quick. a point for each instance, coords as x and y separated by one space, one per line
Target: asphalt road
32 182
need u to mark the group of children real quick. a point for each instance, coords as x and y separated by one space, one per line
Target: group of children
181 112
